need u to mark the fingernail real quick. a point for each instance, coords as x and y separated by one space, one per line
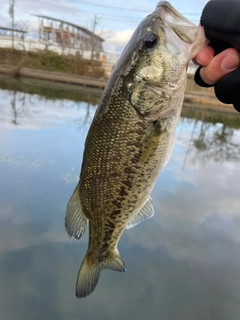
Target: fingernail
229 63
195 61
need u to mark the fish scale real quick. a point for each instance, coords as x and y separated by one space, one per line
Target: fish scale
125 154
131 138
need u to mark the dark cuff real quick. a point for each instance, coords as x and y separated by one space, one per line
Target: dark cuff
199 80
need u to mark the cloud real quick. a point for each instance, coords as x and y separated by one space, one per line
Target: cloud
70 177
199 203
30 112
182 262
119 38
116 41
119 29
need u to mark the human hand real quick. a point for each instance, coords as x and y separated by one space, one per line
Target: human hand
220 61
214 68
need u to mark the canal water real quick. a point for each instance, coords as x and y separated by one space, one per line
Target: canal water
182 264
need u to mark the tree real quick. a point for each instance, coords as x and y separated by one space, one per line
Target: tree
23 25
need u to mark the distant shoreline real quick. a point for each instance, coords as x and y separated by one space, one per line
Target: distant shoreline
53 76
194 96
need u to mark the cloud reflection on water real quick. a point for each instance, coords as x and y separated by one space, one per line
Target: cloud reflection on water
184 263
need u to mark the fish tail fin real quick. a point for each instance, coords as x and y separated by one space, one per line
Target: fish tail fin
88 274
87 280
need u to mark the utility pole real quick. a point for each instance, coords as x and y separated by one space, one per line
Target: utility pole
95 22
11 14
93 40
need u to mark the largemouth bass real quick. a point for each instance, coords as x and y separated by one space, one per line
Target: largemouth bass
131 138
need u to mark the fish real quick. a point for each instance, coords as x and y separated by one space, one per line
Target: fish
131 138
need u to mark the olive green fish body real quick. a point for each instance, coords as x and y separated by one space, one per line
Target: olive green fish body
125 154
131 138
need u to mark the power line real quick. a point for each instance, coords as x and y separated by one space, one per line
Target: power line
82 11
110 7
105 16
127 9
103 6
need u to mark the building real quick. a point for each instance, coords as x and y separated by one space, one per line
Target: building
9 39
56 35
69 37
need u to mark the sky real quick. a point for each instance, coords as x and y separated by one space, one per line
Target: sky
116 20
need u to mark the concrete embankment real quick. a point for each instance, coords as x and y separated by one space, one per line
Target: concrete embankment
194 95
53 76
204 98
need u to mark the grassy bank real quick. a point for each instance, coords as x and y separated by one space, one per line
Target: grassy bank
50 66
51 61
50 90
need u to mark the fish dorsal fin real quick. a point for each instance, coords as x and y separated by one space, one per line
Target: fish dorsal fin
75 220
146 212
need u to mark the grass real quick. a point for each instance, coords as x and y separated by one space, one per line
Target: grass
51 61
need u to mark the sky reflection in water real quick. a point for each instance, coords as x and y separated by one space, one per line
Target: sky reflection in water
184 263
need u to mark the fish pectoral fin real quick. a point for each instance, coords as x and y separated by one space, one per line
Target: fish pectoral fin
75 220
146 212
89 273
150 143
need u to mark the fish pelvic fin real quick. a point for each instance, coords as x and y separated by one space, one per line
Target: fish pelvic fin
75 220
89 273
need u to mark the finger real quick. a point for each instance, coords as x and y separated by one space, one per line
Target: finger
220 65
204 57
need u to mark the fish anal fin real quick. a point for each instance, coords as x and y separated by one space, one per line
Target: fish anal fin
146 212
89 273
75 220
114 262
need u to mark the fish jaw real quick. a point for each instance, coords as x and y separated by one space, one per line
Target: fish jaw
160 73
181 33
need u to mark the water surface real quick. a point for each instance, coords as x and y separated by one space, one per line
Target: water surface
182 264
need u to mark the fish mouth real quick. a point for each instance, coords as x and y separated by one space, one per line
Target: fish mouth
171 15
171 18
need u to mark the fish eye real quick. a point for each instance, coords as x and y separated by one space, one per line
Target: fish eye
150 40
